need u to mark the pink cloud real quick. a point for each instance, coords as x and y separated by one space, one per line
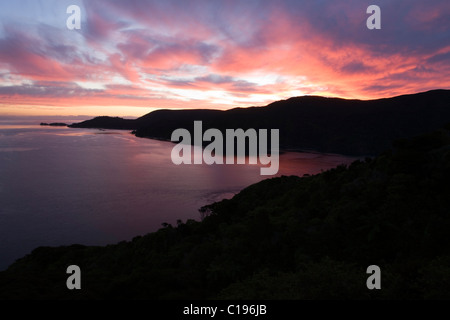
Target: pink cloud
175 53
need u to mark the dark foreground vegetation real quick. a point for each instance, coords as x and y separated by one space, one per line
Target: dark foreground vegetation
283 238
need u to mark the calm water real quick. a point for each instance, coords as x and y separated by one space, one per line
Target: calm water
60 186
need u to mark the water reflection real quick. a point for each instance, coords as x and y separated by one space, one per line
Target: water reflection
61 186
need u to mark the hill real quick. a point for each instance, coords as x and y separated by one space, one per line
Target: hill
309 237
332 125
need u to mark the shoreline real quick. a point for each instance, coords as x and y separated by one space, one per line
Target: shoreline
281 150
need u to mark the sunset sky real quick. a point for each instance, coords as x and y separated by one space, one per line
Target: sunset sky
132 57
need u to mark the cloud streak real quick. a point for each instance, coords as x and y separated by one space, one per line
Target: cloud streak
222 54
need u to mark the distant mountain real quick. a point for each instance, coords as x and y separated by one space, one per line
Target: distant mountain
334 125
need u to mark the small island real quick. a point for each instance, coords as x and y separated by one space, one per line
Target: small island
54 124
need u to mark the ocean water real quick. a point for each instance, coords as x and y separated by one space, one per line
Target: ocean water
61 186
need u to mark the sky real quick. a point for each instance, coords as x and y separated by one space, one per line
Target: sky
132 57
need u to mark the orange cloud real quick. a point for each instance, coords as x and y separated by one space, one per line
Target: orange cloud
202 54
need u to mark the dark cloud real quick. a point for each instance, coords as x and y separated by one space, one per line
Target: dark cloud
216 79
234 84
439 58
414 25
389 88
356 67
50 89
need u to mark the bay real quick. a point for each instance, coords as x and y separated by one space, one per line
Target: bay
61 186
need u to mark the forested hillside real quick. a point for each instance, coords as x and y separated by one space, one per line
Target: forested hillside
308 237
351 127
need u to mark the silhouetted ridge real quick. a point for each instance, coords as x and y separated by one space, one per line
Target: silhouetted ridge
332 125
105 122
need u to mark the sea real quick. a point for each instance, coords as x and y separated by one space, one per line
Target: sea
62 186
